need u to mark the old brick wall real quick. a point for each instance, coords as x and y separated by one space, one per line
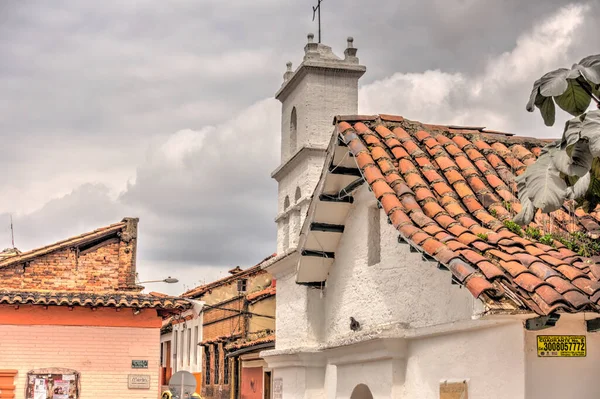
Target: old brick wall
107 268
101 354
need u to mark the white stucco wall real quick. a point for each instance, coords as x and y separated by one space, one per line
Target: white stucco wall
318 97
560 377
185 360
490 359
305 176
298 314
402 288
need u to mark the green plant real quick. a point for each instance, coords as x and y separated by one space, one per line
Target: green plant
532 232
483 236
567 168
506 205
547 239
514 227
580 243
494 213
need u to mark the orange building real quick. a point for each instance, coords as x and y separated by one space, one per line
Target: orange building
238 322
73 323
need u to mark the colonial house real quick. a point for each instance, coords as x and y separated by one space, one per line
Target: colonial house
238 321
179 338
73 323
400 274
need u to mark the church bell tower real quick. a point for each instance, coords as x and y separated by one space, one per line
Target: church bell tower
323 86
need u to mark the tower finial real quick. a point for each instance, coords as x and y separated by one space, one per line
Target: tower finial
310 37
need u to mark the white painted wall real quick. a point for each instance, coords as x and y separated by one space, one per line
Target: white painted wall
559 377
490 359
402 288
185 359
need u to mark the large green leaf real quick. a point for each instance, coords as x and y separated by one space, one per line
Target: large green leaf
547 109
590 129
590 68
579 189
574 99
554 83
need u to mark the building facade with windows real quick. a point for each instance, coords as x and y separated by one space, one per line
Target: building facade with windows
180 336
74 320
237 322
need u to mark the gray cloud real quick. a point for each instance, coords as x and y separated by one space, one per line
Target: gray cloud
154 110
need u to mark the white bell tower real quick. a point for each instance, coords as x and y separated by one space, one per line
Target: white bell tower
322 87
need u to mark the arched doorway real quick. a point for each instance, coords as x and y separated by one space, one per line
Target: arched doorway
361 391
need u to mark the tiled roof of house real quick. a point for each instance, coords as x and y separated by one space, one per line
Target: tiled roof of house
448 191
109 299
264 293
239 344
198 291
20 257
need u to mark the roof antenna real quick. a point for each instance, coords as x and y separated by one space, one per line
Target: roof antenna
317 10
12 232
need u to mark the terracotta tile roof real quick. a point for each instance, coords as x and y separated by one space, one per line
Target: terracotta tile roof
197 291
109 299
269 291
246 344
97 234
447 191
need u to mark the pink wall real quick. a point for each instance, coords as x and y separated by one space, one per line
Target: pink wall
101 354
250 390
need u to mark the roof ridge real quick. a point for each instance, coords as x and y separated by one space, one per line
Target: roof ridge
203 288
33 253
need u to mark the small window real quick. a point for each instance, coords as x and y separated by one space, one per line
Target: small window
225 368
217 365
286 203
189 346
242 285
298 195
195 345
374 238
182 349
293 131
207 365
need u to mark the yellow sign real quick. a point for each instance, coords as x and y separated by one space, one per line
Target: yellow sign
561 346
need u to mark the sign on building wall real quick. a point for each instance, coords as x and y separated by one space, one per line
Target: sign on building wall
139 364
277 388
52 383
454 390
561 346
138 381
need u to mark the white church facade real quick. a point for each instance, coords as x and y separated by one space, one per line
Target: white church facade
397 276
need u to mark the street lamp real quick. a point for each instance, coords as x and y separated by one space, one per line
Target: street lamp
168 280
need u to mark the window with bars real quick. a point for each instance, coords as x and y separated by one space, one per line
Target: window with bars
217 356
225 368
207 365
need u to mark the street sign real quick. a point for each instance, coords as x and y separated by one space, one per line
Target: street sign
561 346
182 385
138 381
139 364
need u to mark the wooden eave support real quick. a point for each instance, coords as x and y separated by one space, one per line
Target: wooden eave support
326 227
593 325
542 322
320 254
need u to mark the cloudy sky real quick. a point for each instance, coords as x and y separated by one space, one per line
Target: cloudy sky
164 110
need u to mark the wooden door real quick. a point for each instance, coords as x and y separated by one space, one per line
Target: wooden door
267 385
168 372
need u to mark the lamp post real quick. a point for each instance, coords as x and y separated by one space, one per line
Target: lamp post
168 280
